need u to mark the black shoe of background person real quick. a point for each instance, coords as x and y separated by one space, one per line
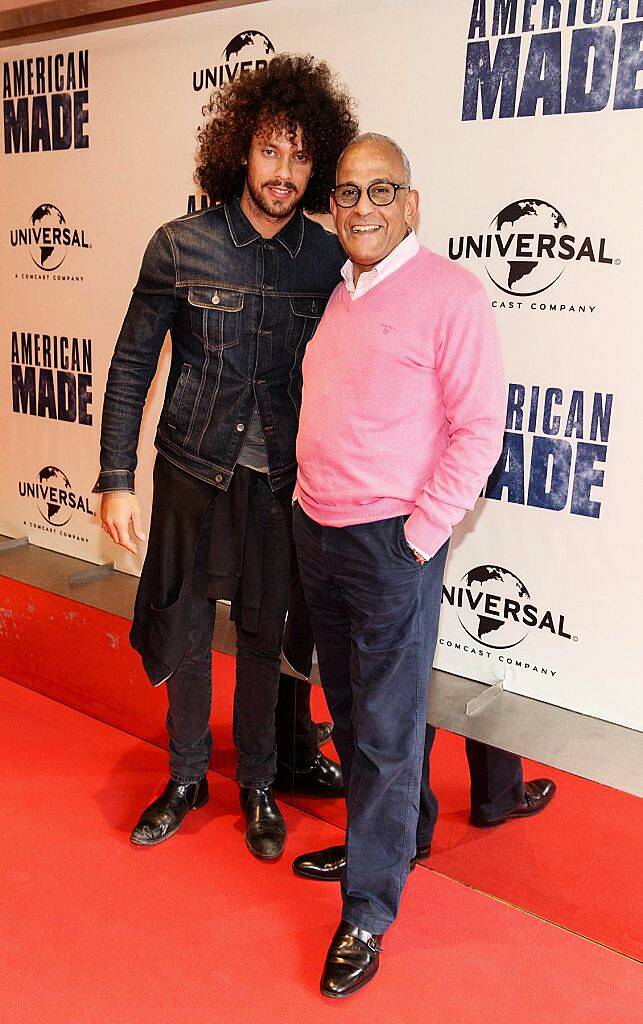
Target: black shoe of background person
324 732
538 794
265 826
328 865
163 818
352 960
322 777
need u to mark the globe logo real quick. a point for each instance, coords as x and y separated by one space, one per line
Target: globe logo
492 606
47 256
249 46
526 236
52 490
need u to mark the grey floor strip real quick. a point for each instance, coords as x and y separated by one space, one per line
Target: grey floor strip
588 747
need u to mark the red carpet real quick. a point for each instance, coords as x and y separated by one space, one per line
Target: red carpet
196 930
575 865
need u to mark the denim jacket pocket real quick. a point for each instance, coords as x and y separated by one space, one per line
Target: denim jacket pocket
178 396
215 315
305 314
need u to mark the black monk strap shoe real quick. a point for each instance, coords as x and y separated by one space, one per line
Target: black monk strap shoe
352 960
324 732
538 794
265 826
322 777
328 865
164 817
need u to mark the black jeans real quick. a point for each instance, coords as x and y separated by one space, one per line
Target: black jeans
174 621
259 654
374 612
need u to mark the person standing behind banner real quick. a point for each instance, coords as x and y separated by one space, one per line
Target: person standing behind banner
401 423
241 287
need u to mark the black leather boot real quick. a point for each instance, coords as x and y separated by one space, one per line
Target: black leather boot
322 777
328 865
163 818
352 960
265 826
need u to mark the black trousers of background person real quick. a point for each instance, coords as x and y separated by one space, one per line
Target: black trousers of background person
496 784
496 775
174 621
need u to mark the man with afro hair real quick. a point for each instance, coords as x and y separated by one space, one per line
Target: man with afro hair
241 287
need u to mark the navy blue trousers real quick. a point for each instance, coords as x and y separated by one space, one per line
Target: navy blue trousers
374 613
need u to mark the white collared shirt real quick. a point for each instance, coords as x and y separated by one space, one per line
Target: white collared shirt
403 252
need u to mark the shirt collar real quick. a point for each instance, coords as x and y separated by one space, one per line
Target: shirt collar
243 232
408 247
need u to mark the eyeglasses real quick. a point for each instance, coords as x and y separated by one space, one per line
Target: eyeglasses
380 193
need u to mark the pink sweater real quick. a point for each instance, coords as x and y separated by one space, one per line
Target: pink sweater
403 402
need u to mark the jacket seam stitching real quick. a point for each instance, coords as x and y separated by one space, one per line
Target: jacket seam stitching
174 254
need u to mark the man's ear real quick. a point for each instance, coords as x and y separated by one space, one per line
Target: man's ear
412 207
333 208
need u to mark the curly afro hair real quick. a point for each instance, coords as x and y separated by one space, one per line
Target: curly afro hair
291 92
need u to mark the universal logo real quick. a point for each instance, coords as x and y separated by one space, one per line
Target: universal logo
56 499
48 237
495 608
527 248
248 51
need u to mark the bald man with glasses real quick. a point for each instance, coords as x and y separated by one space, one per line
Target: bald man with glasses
402 421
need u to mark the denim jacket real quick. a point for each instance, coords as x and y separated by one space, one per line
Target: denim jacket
240 309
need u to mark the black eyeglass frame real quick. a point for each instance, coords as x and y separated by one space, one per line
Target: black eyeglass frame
373 184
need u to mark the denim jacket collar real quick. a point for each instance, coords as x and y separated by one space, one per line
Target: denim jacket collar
242 231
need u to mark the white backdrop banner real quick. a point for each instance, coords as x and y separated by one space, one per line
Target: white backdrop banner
522 121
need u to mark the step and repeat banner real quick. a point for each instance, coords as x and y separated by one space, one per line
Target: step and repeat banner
523 121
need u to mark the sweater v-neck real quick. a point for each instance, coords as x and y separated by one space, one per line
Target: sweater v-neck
378 288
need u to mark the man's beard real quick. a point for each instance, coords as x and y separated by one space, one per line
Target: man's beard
274 208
